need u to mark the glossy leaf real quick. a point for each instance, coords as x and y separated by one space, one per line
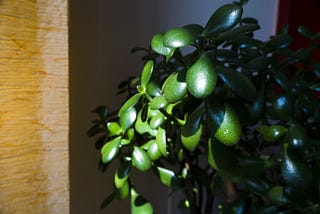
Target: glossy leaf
143 127
245 168
178 37
168 177
132 101
237 82
122 175
140 159
201 77
158 47
157 120
258 185
161 141
282 108
158 103
154 88
215 110
272 133
223 19
230 129
114 129
153 150
110 150
295 170
282 81
258 64
123 191
297 137
146 73
315 87
194 28
222 155
139 205
279 41
304 31
192 130
258 108
127 118
236 32
175 87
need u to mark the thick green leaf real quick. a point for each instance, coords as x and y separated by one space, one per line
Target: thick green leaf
258 64
277 42
223 19
157 120
245 168
201 77
178 37
175 87
194 28
258 185
282 80
143 127
146 73
275 194
211 160
295 170
129 103
154 88
298 137
122 175
110 150
139 205
158 103
215 110
222 156
315 87
192 130
168 177
258 108
237 82
127 118
272 133
140 159
282 108
123 191
236 32
158 47
161 141
114 129
304 31
230 130
153 150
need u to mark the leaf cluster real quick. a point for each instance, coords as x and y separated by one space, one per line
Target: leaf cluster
229 114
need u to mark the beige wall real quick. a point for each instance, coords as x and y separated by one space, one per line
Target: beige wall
34 119
102 32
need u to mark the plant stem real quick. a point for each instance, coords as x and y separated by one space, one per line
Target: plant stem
190 194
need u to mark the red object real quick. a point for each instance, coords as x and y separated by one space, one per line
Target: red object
299 12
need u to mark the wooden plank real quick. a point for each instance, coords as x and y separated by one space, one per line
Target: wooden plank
34 169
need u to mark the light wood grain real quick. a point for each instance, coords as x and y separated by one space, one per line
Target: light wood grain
34 173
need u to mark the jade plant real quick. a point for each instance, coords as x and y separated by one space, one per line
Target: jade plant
229 115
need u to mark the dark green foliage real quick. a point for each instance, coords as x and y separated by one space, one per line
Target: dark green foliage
235 114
